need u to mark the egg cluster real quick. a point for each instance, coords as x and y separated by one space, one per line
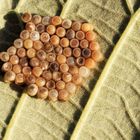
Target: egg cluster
52 56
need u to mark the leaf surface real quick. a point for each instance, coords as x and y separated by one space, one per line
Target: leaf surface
113 110
36 119
8 95
109 19
8 100
43 7
133 5
10 27
57 120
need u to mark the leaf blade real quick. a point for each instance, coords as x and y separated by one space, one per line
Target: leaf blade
103 80
40 7
10 26
69 112
77 105
6 110
7 101
133 5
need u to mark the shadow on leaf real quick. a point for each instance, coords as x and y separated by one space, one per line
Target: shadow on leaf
8 34
11 30
137 5
137 136
14 3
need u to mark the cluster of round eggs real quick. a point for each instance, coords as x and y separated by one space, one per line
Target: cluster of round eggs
52 56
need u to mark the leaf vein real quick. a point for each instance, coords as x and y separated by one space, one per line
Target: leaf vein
116 126
62 129
52 134
75 104
107 9
131 117
131 61
30 136
100 129
99 32
63 114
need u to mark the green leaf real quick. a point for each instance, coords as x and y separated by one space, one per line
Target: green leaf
113 110
36 119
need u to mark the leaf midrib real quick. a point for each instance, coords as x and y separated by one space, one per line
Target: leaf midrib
96 90
106 70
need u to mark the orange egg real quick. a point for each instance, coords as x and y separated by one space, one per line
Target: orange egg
90 63
90 36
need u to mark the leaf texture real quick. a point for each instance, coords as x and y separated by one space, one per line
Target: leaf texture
8 95
36 119
113 110
109 19
133 5
10 27
57 120
43 7
8 100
